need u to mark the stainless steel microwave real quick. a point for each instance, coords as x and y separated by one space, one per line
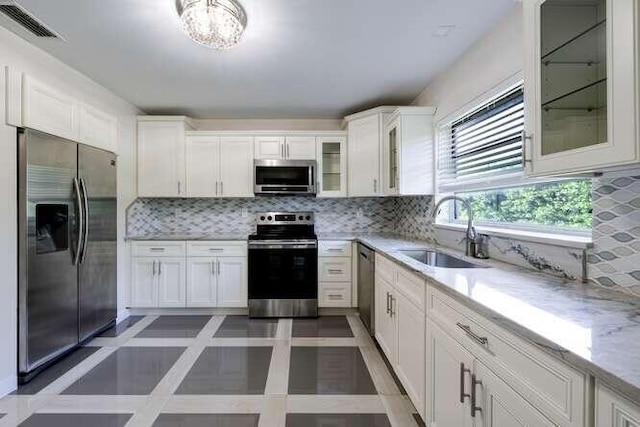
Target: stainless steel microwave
293 177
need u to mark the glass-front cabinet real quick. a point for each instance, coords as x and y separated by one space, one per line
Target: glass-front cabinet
391 157
580 85
332 166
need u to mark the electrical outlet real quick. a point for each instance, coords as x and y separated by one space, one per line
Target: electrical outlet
245 212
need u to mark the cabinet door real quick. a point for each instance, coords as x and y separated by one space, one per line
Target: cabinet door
171 282
579 66
332 167
364 155
161 159
48 110
232 282
448 382
500 406
385 324
615 411
410 360
144 284
236 167
201 282
98 129
301 147
203 166
391 157
269 147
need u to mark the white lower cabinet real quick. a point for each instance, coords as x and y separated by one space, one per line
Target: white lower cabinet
184 274
334 274
613 410
385 325
448 377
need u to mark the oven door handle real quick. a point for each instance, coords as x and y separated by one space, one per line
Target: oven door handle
282 244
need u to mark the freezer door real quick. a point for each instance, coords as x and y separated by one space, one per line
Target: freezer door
48 234
98 257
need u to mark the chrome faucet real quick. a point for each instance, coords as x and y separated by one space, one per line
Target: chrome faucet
475 246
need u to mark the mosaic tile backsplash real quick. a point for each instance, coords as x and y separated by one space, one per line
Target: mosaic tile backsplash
615 260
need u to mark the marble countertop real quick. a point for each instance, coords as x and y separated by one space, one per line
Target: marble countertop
593 329
201 236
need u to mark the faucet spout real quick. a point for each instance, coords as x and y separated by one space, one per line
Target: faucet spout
471 231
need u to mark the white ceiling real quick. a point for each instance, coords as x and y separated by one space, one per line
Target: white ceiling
298 58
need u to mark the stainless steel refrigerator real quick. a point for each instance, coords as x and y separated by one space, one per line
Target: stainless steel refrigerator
66 246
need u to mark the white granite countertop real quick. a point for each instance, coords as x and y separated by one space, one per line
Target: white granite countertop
200 236
593 329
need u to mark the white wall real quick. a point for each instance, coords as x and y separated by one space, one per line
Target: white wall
242 125
491 60
17 53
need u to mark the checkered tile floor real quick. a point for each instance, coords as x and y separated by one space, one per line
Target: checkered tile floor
218 371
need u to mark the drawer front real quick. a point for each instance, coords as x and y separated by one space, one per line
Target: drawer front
334 294
555 388
334 270
412 287
159 249
328 248
217 249
386 269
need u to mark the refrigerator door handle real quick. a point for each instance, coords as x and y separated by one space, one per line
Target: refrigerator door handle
81 219
85 202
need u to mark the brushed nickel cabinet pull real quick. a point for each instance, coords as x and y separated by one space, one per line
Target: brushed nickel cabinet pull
154 267
463 370
484 341
474 408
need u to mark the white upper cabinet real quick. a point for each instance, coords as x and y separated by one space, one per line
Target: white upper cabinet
49 110
409 152
161 156
269 147
291 147
236 166
203 166
331 156
366 133
580 73
300 148
98 128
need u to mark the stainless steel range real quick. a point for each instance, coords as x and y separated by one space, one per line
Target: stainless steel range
283 266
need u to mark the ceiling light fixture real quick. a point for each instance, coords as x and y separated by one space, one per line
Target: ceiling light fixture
218 24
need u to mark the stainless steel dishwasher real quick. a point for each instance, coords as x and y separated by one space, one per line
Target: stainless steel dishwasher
366 287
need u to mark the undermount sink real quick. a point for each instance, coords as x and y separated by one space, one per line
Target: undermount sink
438 259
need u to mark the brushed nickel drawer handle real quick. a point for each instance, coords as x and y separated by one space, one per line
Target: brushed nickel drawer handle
157 249
484 341
335 250
215 250
335 296
335 271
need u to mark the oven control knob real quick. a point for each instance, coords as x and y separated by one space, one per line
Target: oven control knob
308 217
262 218
269 217
300 217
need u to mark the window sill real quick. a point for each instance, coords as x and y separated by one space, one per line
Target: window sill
568 241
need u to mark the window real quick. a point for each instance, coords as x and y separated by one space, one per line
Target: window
480 160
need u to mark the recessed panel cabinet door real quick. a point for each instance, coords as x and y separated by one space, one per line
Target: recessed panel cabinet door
613 410
269 147
201 282
171 282
449 368
236 167
301 148
500 406
364 157
144 286
385 325
410 361
161 159
232 282
203 166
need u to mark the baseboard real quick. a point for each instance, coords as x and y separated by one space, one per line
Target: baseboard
8 384
183 311
122 315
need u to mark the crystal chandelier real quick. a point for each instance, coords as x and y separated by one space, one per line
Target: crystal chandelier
213 23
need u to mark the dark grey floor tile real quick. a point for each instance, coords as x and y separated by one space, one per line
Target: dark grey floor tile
329 370
56 370
207 420
174 327
418 420
337 420
128 371
244 327
77 420
228 370
121 327
322 327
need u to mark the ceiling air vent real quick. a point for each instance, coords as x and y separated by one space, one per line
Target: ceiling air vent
20 15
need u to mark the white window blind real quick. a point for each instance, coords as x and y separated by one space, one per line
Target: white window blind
483 149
